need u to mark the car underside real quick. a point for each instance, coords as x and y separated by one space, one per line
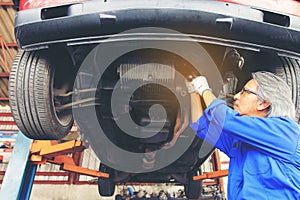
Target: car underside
119 68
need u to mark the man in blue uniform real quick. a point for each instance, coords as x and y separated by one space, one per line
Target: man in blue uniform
260 136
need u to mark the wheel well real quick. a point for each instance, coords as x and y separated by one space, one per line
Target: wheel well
65 71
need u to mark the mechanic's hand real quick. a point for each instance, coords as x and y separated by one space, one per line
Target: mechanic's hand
190 87
200 85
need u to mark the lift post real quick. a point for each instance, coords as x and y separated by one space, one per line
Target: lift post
19 176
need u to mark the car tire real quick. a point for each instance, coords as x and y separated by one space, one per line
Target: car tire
193 188
290 72
31 96
106 186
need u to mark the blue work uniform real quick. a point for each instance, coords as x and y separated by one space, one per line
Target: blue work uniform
264 152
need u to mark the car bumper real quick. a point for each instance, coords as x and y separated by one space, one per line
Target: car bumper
203 21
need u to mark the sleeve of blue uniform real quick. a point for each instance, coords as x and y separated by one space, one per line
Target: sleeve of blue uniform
209 127
275 136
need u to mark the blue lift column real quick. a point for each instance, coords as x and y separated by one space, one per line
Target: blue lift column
20 173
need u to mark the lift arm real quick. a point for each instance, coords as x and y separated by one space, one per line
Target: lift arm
211 175
55 153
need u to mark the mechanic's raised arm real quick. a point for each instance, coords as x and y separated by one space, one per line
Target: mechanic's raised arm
196 107
197 87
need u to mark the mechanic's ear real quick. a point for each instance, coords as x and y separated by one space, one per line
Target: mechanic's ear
262 105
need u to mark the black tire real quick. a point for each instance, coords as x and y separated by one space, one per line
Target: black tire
106 186
31 92
290 72
193 188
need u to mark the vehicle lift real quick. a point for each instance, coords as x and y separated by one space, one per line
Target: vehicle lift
28 154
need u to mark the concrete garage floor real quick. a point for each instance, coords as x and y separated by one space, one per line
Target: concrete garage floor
86 192
65 192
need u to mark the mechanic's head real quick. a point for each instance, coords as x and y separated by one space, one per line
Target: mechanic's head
265 95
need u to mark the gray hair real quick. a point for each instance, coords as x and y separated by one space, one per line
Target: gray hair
277 92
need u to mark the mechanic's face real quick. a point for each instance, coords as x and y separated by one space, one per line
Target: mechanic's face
247 102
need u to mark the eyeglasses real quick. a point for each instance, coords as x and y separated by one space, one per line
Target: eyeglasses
244 90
